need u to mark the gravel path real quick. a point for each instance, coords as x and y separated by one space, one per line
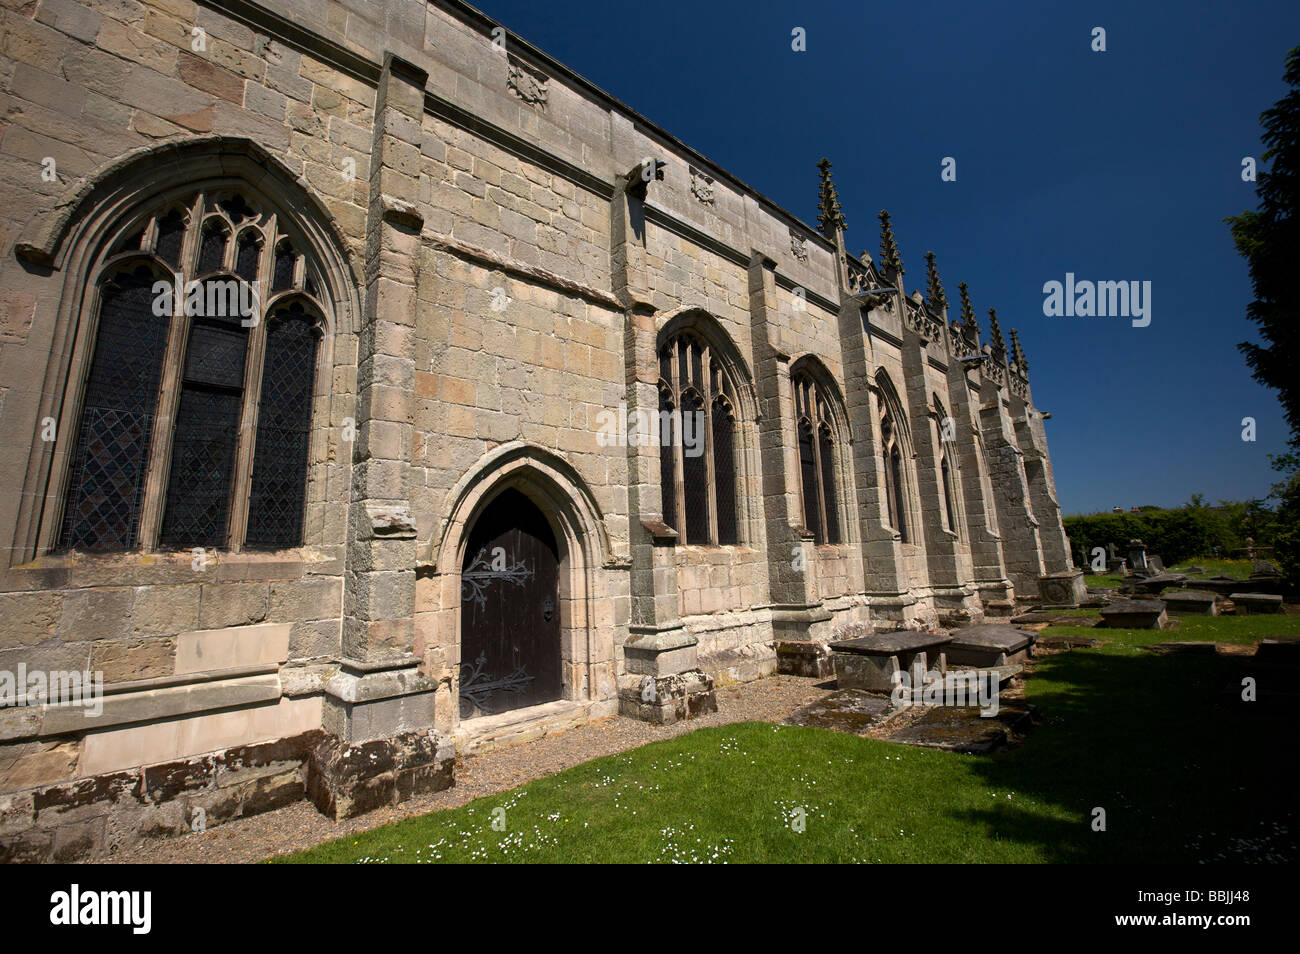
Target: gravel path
301 826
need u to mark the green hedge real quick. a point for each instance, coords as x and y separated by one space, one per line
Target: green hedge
1190 531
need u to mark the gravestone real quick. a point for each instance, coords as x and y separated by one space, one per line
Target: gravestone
1137 555
1135 614
1063 590
1190 603
1252 604
1264 569
1068 642
1222 585
1161 581
990 645
871 662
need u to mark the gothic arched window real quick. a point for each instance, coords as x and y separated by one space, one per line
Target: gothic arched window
196 409
697 451
891 452
816 437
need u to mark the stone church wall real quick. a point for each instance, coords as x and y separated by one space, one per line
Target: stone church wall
498 265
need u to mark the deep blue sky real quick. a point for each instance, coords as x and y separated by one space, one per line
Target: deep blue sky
1115 166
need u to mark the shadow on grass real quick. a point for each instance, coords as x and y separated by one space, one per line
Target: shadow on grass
1182 767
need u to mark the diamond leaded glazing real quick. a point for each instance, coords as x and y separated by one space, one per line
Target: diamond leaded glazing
221 324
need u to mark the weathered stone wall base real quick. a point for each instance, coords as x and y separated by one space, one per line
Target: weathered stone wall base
90 818
348 780
668 699
799 658
957 607
728 667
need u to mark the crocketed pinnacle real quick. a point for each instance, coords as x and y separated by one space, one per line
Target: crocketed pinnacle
889 255
829 214
1017 353
968 322
934 294
995 336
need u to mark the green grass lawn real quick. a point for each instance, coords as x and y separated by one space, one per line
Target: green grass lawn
1240 569
1103 581
1183 773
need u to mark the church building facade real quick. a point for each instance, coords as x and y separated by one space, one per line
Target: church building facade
373 389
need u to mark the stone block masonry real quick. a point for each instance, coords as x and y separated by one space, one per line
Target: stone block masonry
283 545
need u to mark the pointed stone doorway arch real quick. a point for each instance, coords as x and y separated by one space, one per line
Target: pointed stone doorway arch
533 481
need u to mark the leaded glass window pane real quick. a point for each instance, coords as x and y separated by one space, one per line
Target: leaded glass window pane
284 267
278 495
248 257
808 477
667 462
827 450
207 425
947 495
102 510
212 252
900 509
724 472
695 470
171 236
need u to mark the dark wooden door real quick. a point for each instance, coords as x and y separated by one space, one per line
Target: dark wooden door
509 610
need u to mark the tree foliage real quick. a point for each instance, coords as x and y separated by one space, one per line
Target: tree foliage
1269 239
1193 530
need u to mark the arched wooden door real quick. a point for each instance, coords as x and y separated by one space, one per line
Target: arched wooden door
509 610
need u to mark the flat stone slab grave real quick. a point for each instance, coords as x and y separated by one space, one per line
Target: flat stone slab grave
870 662
964 729
851 711
1162 581
1222 585
1068 642
1034 624
958 687
1135 614
1250 604
1187 647
1190 603
954 729
990 644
